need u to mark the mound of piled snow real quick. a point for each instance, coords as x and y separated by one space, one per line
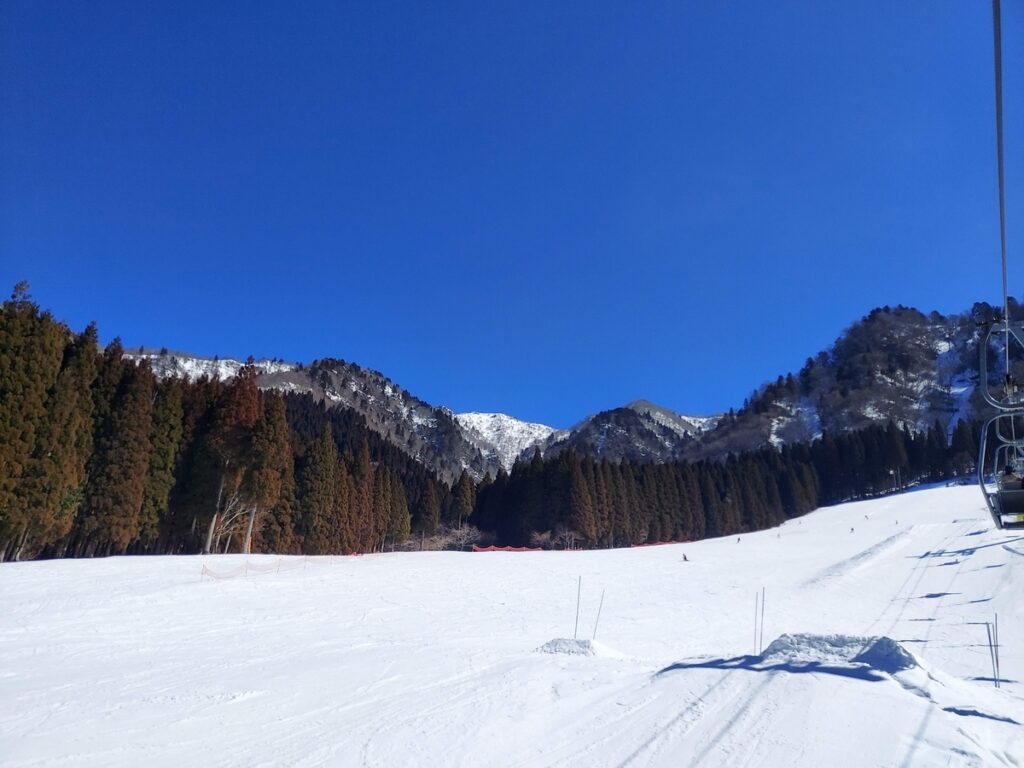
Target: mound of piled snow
879 653
567 645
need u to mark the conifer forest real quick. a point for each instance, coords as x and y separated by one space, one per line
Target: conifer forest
98 457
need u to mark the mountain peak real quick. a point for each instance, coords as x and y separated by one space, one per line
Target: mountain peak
677 422
501 435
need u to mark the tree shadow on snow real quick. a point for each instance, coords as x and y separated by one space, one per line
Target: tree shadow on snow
971 712
965 552
754 664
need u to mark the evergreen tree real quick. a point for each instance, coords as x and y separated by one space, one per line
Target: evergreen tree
366 522
117 477
463 499
382 499
399 527
165 441
269 480
53 488
348 532
230 437
197 471
430 509
31 350
320 497
581 505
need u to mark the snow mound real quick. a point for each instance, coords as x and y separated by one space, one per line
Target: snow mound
879 653
569 646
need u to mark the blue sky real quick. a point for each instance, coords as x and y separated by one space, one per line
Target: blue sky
539 208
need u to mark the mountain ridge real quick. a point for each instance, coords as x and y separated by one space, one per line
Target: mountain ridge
894 364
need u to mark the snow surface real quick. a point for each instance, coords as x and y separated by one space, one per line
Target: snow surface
876 652
192 368
502 436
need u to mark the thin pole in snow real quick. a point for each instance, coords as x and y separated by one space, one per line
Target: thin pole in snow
995 633
992 654
579 586
756 597
598 619
760 643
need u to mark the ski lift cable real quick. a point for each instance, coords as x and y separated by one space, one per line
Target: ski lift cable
997 39
998 47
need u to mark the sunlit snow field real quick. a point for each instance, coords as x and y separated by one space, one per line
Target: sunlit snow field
432 658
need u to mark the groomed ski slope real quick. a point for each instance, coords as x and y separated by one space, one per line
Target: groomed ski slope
431 658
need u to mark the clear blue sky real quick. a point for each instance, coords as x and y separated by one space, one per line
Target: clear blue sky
539 208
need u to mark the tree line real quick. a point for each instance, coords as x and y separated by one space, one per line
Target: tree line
575 500
99 457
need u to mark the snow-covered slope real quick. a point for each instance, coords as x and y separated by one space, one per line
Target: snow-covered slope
638 431
684 426
191 367
428 659
427 433
503 436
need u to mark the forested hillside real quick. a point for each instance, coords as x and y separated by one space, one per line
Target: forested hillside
99 456
577 500
894 364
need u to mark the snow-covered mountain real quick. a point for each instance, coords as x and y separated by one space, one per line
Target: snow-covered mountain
428 433
684 426
503 436
447 442
184 366
894 364
639 431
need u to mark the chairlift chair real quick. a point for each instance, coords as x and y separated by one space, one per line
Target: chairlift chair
1002 437
1005 495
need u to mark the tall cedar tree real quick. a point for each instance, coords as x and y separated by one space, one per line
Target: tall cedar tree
31 350
430 509
581 505
362 477
117 480
55 482
348 534
463 499
400 525
275 471
270 469
197 471
230 442
382 499
320 503
165 441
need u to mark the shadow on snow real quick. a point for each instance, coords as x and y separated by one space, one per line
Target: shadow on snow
756 664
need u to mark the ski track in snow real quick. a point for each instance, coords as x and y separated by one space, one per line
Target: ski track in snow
432 658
